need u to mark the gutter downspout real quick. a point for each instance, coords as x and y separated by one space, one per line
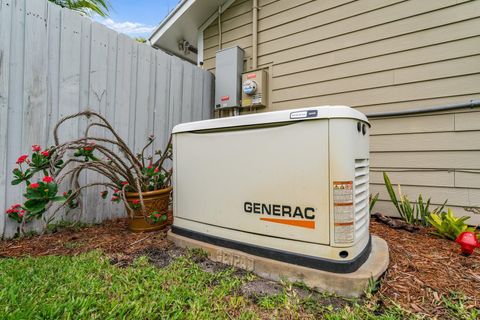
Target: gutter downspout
471 104
219 27
255 35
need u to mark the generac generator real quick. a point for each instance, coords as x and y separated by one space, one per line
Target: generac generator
289 185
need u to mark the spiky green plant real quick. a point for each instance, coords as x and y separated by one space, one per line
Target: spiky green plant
405 208
372 201
87 7
409 211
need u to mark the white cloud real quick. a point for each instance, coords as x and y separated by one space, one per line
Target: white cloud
127 27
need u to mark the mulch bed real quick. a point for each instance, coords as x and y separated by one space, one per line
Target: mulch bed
423 269
112 237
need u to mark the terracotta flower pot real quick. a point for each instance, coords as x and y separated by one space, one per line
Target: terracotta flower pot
157 200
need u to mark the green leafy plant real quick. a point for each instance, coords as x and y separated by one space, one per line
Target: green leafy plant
86 153
372 200
447 225
371 287
40 195
410 212
157 217
423 210
86 7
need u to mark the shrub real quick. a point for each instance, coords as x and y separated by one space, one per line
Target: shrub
39 193
65 161
447 225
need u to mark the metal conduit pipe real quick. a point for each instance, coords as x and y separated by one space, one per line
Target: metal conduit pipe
255 35
219 27
471 104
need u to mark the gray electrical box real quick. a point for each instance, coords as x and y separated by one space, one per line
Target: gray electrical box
228 77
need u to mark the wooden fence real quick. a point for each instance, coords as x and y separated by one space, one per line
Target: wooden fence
54 62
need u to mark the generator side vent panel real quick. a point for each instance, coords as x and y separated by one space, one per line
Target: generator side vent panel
361 197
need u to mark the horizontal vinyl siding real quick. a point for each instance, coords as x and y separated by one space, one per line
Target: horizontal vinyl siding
464 85
385 205
394 61
376 56
333 37
236 31
438 141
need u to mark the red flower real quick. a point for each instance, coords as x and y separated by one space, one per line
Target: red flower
88 148
65 194
116 190
47 179
114 198
156 170
34 186
157 215
14 208
124 183
36 148
150 167
22 159
45 153
21 213
136 201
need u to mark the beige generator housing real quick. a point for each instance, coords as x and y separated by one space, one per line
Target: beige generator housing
289 185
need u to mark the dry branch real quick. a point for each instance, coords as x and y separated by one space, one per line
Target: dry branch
125 173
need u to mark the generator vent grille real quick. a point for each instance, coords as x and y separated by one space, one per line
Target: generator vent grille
361 192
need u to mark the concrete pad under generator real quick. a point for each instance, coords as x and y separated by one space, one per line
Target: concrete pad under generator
345 284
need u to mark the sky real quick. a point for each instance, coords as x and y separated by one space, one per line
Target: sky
137 18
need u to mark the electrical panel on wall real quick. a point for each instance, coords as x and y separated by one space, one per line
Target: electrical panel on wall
228 75
255 89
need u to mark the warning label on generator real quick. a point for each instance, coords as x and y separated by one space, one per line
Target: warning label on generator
343 211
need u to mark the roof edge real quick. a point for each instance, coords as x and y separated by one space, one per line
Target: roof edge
168 18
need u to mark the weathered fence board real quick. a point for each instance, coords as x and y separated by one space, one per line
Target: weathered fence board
5 36
54 62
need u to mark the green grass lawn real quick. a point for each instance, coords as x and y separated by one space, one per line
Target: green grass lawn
88 286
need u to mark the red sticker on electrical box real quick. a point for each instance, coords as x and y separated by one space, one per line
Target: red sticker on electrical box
251 76
225 98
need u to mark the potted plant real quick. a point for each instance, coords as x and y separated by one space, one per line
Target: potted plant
142 182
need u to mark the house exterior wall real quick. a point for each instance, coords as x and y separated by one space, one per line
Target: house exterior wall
378 55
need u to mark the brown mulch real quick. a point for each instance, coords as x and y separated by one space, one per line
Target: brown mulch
111 237
423 269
